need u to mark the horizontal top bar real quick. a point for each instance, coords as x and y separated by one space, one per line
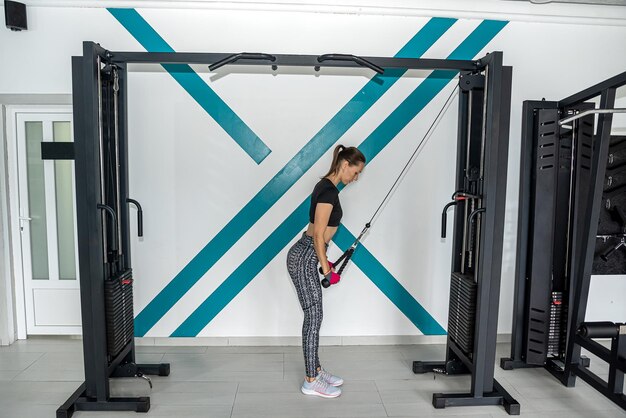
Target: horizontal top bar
593 91
292 61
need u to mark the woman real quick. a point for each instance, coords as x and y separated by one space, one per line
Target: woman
302 260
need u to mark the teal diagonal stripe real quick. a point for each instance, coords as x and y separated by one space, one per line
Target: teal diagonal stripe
247 270
193 84
425 92
294 223
284 179
387 284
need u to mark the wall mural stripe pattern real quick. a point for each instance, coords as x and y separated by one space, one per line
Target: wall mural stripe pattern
312 151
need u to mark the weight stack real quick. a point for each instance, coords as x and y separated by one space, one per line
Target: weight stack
462 313
118 295
556 322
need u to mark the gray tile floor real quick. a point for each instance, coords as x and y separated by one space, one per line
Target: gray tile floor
37 375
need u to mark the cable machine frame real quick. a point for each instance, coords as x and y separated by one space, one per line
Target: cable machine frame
94 237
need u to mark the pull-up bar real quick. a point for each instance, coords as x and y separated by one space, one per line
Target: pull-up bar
216 60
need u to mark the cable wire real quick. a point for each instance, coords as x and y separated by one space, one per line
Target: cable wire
445 106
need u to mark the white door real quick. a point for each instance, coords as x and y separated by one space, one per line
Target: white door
47 226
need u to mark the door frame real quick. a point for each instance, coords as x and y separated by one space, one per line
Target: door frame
14 212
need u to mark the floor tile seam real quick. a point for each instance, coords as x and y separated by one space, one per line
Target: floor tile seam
17 353
56 403
232 408
587 396
210 357
79 382
553 382
381 398
33 362
29 366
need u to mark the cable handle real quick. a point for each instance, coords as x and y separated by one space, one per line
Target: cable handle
444 217
347 259
347 255
472 215
108 209
139 216
458 196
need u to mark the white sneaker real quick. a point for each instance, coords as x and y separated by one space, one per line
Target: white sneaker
331 379
320 387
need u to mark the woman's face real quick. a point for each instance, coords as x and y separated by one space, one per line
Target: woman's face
350 173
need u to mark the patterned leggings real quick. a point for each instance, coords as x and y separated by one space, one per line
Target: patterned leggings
302 266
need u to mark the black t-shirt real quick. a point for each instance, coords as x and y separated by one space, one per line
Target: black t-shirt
326 192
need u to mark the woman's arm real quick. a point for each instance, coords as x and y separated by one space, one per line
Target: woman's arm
322 215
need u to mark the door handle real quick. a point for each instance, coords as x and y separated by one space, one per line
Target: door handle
23 218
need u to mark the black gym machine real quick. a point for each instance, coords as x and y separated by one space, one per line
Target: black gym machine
100 151
479 201
571 224
100 84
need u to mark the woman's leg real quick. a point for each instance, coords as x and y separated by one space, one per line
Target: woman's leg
302 266
313 316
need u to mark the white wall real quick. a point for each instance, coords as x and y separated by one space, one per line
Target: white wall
192 178
6 305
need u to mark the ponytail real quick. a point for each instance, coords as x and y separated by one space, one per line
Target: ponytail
351 154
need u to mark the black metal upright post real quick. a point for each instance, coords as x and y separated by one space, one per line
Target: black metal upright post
492 223
517 331
582 259
91 252
122 129
529 170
